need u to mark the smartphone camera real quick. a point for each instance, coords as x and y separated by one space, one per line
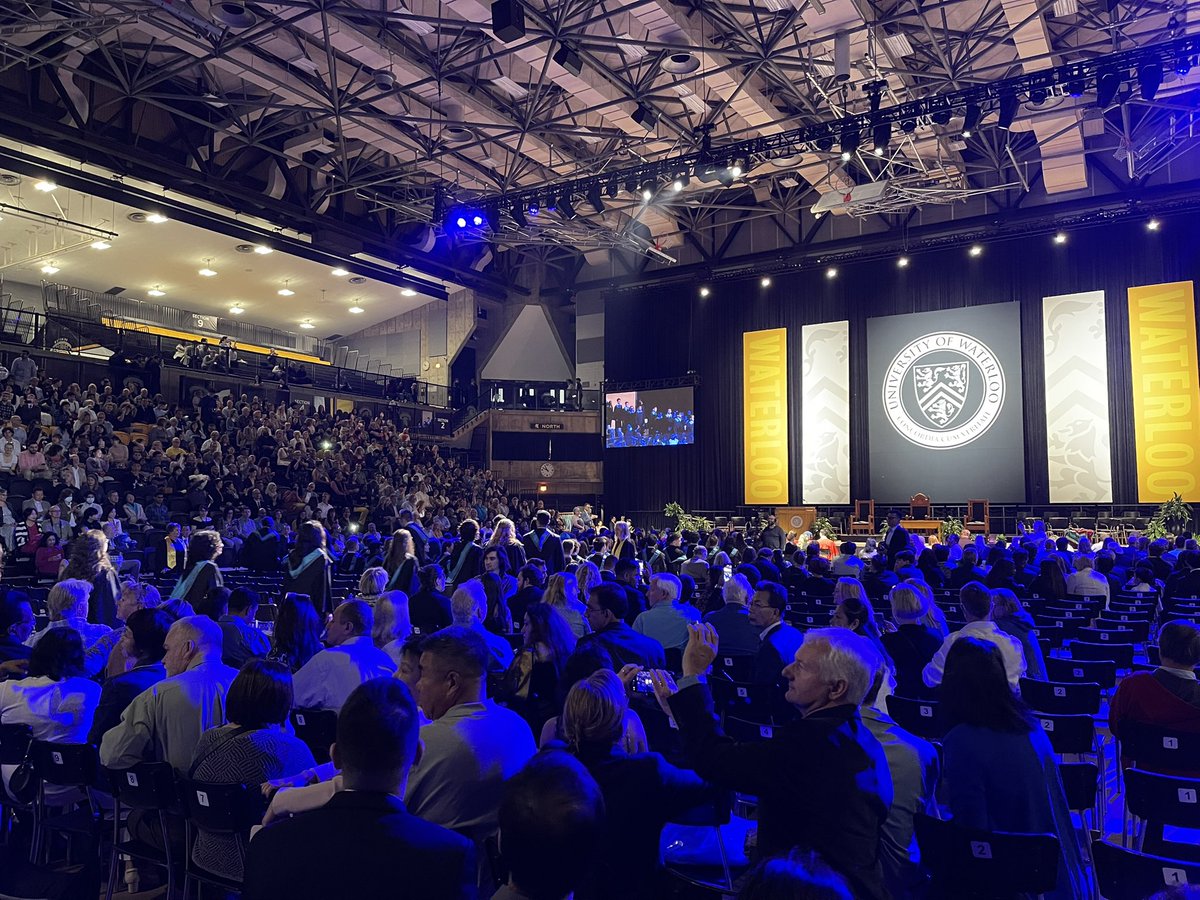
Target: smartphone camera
643 683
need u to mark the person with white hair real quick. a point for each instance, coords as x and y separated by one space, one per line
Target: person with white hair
67 604
739 636
834 804
667 619
468 606
164 722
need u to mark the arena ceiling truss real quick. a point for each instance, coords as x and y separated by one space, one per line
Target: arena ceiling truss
365 123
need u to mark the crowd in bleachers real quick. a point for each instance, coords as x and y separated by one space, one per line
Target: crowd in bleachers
250 614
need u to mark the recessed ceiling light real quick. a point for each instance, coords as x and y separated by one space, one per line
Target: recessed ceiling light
156 291
156 218
100 245
236 310
1060 238
408 292
902 262
45 186
704 292
286 292
49 269
339 272
207 272
831 272
1153 225
262 249
975 250
355 309
765 282
306 324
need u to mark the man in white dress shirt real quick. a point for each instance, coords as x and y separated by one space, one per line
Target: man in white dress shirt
326 680
976 603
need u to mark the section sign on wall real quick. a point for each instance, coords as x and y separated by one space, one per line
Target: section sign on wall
1077 434
825 412
1166 392
765 416
945 405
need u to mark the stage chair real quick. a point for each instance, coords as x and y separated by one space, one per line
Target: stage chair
973 862
919 506
978 516
863 521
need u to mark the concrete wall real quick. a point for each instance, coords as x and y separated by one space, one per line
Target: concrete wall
422 342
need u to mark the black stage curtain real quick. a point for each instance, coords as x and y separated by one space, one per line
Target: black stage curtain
668 331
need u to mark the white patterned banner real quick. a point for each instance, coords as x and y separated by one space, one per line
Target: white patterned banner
825 412
1077 435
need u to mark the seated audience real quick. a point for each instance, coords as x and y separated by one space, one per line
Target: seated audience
530 587
667 619
142 648
16 626
606 617
976 603
1051 583
326 680
562 592
584 662
834 804
732 621
1010 616
364 842
429 607
243 641
469 608
297 635
255 745
55 699
1168 697
68 605
1085 581
778 641
1001 772
642 792
552 819
531 682
471 745
855 613
912 645
165 721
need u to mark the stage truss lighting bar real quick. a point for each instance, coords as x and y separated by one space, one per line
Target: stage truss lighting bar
1108 73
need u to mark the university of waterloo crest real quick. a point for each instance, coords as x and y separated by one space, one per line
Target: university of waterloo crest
941 391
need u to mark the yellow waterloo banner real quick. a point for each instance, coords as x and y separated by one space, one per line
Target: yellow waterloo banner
764 416
1166 389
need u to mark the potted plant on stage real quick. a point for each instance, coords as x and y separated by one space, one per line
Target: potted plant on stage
1172 517
685 521
951 526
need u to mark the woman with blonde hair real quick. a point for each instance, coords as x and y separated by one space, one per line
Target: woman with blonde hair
848 589
622 542
88 561
642 791
913 644
401 562
587 576
505 536
562 593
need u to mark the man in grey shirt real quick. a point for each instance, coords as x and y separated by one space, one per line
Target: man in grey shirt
164 722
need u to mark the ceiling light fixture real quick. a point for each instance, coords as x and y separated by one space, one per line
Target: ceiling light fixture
339 272
45 186
408 292
262 249
1153 225
157 291
975 250
286 291
1060 238
902 262
236 310
355 309
49 269
306 325
100 245
704 292
208 271
831 272
156 218
971 119
765 281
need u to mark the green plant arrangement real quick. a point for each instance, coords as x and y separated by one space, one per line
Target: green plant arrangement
1172 517
685 521
952 526
822 527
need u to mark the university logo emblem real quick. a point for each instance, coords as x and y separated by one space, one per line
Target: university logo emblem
943 390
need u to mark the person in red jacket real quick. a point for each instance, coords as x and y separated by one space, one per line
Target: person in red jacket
1168 697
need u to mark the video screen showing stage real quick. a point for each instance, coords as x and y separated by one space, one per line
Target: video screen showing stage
661 418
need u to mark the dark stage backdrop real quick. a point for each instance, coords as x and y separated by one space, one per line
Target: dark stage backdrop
945 400
668 331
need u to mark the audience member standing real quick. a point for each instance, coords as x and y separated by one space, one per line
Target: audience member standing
326 680
88 561
307 569
466 557
542 543
202 574
364 842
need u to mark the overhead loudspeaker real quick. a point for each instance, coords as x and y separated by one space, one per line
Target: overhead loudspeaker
508 20
568 57
645 116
